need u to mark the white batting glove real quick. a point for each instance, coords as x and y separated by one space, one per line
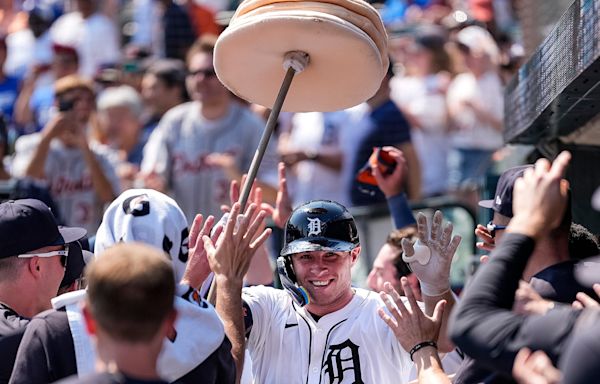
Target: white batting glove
431 255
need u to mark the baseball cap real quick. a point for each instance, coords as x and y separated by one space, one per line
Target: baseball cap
502 202
78 259
479 41
28 224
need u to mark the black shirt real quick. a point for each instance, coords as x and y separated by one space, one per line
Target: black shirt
49 355
12 327
556 283
484 326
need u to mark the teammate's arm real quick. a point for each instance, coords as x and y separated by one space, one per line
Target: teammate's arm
229 259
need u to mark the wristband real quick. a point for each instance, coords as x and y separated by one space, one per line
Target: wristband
421 345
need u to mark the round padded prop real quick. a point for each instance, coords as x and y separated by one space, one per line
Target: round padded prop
354 18
345 64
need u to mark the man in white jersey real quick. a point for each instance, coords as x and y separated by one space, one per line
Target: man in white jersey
200 146
326 331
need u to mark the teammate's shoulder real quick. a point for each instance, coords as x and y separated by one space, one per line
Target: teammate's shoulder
257 292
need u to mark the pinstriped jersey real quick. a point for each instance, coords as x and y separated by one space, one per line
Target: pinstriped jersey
351 345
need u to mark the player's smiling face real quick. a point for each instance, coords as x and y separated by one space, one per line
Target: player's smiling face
327 278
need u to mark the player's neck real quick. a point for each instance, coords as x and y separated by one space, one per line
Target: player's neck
319 311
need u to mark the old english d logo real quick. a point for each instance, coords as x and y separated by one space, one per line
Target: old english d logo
342 362
314 226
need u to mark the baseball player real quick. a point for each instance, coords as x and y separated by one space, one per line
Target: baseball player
320 329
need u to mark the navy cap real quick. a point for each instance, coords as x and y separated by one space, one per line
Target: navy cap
502 202
28 224
78 259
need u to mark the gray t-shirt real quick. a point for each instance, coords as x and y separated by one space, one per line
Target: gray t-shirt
69 178
178 147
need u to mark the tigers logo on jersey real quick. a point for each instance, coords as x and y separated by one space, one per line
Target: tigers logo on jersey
314 226
342 364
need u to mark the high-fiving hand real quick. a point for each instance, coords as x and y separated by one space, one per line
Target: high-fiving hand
431 256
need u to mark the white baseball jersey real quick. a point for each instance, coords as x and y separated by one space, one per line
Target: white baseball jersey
178 147
351 345
69 178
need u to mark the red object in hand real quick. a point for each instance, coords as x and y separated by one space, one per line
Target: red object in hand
382 159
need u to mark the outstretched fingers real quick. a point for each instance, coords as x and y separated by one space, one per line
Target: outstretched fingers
446 235
195 230
422 228
436 226
409 250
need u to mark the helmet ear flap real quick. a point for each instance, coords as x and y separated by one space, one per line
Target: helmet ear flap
285 267
288 279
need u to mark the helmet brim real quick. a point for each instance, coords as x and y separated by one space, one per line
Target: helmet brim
317 244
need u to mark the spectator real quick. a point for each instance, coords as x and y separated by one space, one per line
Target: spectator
9 86
163 88
92 33
475 104
55 344
30 48
198 147
315 151
80 174
178 33
130 311
383 124
33 256
34 106
421 94
120 127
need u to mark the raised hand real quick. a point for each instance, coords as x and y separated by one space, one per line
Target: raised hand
409 324
232 252
431 256
540 197
393 184
197 268
534 368
529 302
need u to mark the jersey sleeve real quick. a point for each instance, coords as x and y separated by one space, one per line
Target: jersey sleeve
260 303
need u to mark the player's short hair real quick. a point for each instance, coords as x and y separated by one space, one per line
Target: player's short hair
10 267
582 243
70 83
394 239
204 44
130 291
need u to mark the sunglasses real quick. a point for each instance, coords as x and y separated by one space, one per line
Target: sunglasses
63 253
206 72
492 228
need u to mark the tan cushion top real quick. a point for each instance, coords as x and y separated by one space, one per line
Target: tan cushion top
345 65
343 13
